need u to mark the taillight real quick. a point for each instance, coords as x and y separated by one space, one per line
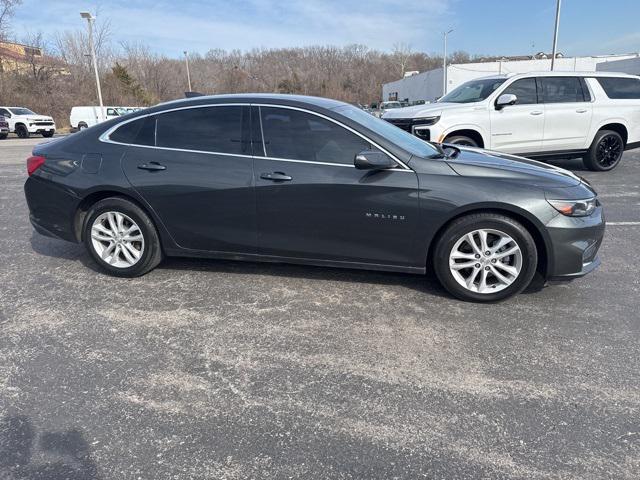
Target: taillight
34 163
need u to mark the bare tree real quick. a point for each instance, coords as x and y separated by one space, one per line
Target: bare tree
7 9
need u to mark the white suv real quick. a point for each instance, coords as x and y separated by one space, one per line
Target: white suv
23 122
594 115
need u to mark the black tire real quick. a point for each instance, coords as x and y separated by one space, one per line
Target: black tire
152 253
3 136
48 134
82 126
22 131
464 225
605 151
461 140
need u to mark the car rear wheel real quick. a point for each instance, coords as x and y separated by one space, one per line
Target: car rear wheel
605 152
22 131
3 136
121 238
485 258
461 140
48 134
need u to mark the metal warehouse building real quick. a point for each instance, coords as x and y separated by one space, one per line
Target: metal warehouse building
427 86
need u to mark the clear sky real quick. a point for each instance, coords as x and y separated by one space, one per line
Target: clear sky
508 27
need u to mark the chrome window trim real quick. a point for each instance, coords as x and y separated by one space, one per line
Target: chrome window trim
105 135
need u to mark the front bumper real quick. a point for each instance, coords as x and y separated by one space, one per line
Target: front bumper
41 128
575 242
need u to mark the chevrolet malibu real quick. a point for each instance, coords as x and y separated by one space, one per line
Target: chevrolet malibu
282 178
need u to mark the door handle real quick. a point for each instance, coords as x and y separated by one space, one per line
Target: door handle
276 177
581 110
152 166
536 112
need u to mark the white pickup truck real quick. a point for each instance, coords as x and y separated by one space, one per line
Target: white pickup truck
23 122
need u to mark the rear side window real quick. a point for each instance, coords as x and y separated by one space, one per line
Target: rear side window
620 88
127 132
297 135
209 129
561 89
525 90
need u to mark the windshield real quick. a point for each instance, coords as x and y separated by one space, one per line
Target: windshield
22 111
473 91
403 139
122 111
386 106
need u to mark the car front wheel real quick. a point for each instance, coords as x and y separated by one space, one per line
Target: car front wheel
461 140
485 258
121 238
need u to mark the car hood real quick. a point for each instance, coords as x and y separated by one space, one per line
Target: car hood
429 110
484 163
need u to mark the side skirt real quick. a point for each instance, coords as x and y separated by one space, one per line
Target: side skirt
254 257
554 154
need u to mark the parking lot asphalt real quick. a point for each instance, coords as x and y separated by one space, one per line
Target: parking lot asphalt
221 370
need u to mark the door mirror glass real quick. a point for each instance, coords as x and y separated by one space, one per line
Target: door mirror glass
373 160
506 99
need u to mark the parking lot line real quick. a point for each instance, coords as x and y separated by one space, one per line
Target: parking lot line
622 223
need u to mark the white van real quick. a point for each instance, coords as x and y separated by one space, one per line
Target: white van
85 117
594 115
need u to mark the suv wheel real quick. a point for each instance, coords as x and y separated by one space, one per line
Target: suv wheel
121 238
485 258
22 131
461 140
3 136
605 152
48 133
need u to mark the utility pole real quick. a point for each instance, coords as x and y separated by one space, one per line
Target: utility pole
90 20
444 64
555 35
186 59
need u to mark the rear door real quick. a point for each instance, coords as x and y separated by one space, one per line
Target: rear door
194 167
313 203
568 112
518 128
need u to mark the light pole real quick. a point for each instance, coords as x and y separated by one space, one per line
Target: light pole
444 64
90 20
555 35
186 59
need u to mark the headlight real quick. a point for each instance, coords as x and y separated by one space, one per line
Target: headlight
575 208
425 121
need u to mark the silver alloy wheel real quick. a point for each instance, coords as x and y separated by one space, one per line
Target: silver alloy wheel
117 239
485 261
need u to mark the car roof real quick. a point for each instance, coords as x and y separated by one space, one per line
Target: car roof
286 99
558 74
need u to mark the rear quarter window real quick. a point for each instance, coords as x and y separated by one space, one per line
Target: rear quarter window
620 88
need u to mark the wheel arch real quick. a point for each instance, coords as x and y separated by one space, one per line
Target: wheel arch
473 133
615 125
95 196
533 226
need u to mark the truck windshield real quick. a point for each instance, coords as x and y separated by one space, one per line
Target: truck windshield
473 91
21 111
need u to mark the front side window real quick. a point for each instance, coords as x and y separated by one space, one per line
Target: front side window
112 112
473 91
209 129
296 135
524 89
561 90
620 88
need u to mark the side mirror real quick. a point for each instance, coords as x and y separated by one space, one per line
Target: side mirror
373 160
506 99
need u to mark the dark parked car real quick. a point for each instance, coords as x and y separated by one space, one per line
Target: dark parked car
314 181
4 128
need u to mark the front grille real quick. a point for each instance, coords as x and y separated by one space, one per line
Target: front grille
409 125
43 124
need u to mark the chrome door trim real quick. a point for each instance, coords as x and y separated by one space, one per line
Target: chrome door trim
104 137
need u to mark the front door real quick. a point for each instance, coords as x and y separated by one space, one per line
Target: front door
518 128
197 175
313 203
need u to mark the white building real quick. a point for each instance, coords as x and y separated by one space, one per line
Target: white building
427 86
